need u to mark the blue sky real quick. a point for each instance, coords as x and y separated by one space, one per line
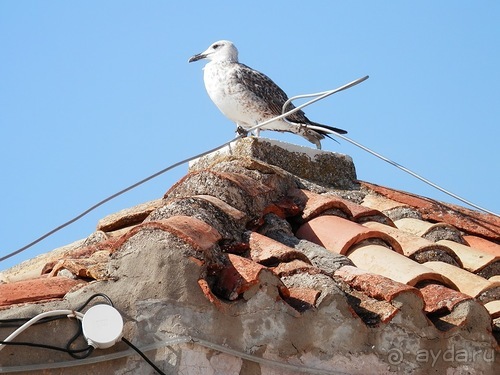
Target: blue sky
97 95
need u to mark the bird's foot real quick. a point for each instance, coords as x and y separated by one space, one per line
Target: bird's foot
241 131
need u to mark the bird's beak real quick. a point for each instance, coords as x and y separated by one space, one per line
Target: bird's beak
197 57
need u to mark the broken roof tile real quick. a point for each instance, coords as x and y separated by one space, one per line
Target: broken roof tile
242 277
439 298
302 299
417 248
383 261
293 267
374 285
339 235
372 311
129 216
269 252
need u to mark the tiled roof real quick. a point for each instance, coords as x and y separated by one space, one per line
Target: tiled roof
261 214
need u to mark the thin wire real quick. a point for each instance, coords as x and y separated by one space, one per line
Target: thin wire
78 217
169 343
318 96
404 169
133 186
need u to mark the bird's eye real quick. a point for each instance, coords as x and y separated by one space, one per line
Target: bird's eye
215 46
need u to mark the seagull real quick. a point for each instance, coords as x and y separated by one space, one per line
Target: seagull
248 97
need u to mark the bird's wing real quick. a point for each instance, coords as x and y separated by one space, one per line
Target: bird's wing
269 93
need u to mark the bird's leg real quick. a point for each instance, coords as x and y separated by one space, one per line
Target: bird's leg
241 131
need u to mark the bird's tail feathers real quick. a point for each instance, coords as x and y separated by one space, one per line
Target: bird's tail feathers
336 130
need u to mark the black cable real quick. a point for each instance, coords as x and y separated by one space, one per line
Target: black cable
138 351
75 353
94 296
71 352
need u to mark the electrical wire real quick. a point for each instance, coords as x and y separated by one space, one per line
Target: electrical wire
169 342
138 351
47 317
317 97
59 314
105 200
29 323
404 169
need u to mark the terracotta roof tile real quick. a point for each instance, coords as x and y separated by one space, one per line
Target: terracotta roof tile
246 230
302 299
467 282
473 259
227 220
432 232
483 244
383 261
269 252
316 204
370 310
238 190
229 210
242 278
293 267
439 298
374 285
381 203
493 308
339 235
469 221
128 216
194 231
417 248
36 290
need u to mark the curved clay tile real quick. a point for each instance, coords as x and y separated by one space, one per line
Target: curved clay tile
483 244
339 235
473 259
129 216
268 252
467 282
318 203
417 248
430 231
383 261
493 308
469 221
439 298
375 285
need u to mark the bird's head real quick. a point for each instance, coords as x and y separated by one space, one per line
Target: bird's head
223 50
